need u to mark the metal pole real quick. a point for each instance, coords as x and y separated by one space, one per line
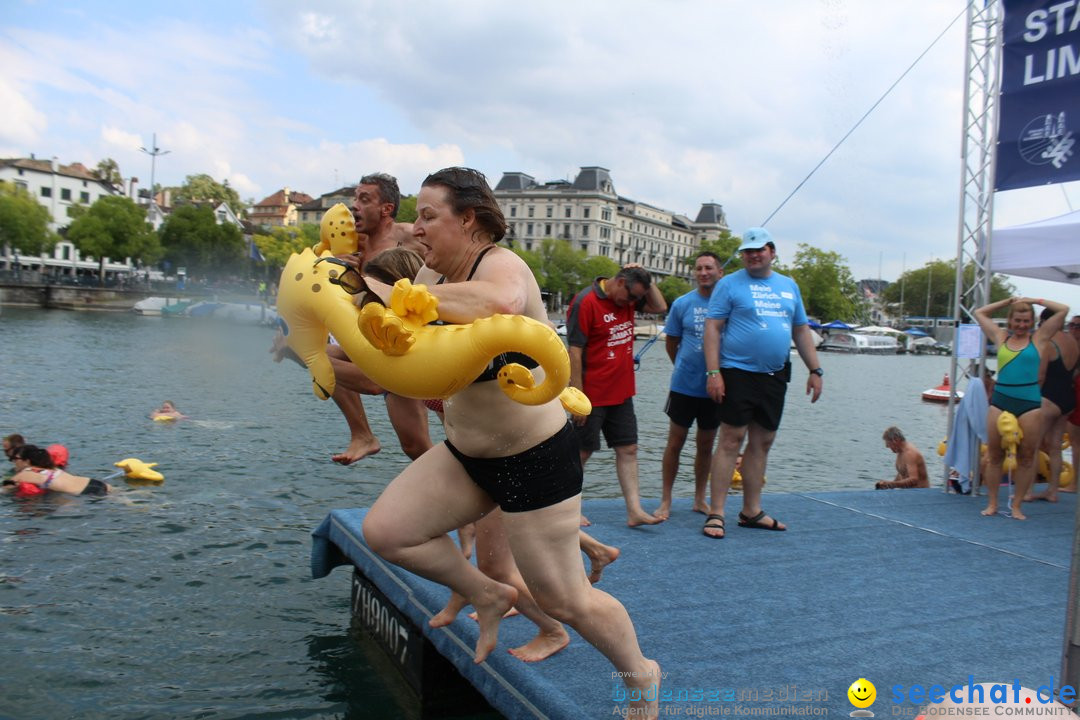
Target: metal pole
153 153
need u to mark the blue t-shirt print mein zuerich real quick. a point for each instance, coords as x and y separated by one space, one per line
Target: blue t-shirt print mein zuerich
759 315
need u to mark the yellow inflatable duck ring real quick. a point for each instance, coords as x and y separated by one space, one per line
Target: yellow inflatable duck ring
401 352
1011 435
136 469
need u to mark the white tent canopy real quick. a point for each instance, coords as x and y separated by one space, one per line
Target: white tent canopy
1047 249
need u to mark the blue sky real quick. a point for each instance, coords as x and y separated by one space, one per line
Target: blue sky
685 101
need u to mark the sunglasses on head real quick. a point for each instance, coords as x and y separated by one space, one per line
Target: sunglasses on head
348 278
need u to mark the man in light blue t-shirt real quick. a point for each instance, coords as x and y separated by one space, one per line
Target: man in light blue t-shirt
688 400
753 316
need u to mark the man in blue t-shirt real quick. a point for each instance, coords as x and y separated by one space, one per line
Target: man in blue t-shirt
688 400
757 312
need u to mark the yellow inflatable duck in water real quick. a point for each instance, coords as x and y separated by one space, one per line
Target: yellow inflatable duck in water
400 351
136 469
1011 435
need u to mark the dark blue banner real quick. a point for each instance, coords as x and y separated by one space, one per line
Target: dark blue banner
1039 120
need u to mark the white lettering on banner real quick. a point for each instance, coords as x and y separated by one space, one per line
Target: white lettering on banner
1036 21
1059 62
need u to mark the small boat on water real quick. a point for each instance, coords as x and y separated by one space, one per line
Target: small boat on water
853 342
941 393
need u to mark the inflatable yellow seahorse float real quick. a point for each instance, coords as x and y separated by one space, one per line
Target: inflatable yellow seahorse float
397 348
1011 435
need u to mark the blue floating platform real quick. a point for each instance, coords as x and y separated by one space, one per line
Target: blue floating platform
904 588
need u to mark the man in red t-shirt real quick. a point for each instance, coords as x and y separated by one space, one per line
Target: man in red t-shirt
600 331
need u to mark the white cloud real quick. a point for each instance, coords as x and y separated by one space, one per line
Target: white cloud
23 123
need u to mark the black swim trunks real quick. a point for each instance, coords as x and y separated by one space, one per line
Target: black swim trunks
539 477
95 488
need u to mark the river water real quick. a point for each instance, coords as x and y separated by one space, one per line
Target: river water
193 598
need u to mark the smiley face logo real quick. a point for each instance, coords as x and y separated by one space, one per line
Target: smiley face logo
862 693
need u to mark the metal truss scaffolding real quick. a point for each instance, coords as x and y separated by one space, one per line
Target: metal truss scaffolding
982 72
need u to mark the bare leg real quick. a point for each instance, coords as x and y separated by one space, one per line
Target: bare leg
585 455
669 467
626 467
494 560
1053 433
1074 438
467 539
410 422
1031 424
995 456
599 554
546 546
706 439
422 545
758 443
362 442
723 467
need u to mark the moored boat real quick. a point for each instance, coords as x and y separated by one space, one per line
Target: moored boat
941 393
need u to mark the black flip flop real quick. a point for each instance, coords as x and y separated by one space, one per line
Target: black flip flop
710 524
755 522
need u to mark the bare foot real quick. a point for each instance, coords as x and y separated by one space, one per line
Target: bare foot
509 613
645 693
584 522
1045 495
600 557
700 506
498 598
358 449
664 511
278 347
542 646
990 510
467 539
446 616
1017 514
642 518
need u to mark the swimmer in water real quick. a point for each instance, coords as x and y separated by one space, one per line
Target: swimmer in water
167 410
34 466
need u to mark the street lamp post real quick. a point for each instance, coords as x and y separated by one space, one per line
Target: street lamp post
153 153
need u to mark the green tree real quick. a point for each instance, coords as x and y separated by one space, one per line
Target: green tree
109 172
594 267
724 246
930 290
407 209
673 287
829 290
24 222
281 242
193 239
203 188
114 227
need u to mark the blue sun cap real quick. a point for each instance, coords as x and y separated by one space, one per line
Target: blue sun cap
755 239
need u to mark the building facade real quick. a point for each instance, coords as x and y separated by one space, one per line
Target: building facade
58 187
312 212
279 209
591 216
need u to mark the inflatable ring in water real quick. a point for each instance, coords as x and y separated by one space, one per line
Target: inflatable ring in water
163 418
401 352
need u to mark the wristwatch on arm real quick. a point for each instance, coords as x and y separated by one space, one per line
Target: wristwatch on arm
818 371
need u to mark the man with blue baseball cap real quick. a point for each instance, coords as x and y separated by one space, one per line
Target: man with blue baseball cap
753 316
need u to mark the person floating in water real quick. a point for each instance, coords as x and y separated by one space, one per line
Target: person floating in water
167 411
34 466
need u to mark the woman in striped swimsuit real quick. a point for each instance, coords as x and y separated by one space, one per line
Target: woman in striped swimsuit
1022 354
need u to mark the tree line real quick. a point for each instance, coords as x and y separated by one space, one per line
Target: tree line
191 237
